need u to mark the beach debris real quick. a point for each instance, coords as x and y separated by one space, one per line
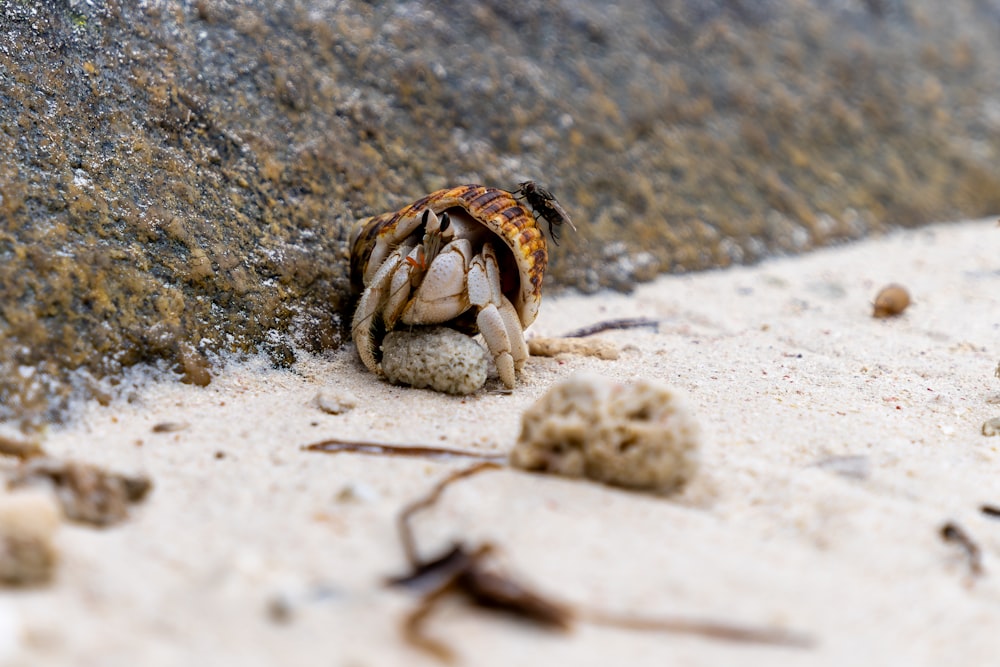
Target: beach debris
990 511
356 491
637 435
282 606
544 205
471 571
337 446
471 574
469 257
955 534
280 609
87 493
891 300
28 522
169 427
856 466
19 447
39 492
612 325
436 357
466 571
335 403
540 346
991 427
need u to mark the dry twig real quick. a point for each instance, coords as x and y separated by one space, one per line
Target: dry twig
468 571
952 532
610 325
337 446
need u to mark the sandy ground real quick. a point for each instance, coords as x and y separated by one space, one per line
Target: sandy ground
835 446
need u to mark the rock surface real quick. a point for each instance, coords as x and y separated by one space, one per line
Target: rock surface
179 179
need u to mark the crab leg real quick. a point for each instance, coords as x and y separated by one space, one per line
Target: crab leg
485 295
369 304
518 347
401 285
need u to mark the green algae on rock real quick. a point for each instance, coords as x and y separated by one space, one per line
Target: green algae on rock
178 179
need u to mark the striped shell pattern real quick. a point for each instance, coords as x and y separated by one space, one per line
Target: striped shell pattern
522 268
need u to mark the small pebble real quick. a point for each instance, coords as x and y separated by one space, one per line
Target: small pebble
280 609
335 403
892 300
991 427
357 492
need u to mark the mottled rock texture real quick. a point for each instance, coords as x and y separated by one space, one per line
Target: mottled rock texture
178 179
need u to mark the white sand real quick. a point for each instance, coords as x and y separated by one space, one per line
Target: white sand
785 369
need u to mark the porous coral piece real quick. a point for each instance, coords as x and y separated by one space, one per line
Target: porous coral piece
436 357
637 435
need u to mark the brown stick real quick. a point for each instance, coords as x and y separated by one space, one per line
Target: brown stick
413 624
462 571
702 628
952 532
403 521
990 510
337 446
609 325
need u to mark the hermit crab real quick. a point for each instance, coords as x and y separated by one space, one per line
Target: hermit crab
470 257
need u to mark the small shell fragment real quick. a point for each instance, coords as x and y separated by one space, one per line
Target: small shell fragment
892 300
991 427
436 357
637 435
335 403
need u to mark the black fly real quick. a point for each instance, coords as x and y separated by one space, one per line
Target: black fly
545 206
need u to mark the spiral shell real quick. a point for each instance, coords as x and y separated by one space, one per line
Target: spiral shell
522 268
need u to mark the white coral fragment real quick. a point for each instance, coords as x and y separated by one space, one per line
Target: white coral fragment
436 357
28 522
637 435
